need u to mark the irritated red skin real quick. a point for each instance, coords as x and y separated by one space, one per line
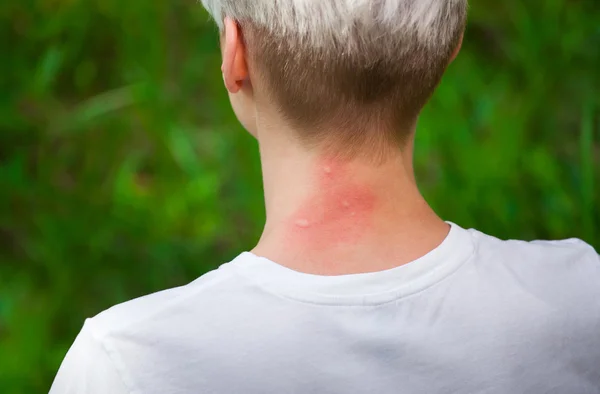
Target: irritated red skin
339 212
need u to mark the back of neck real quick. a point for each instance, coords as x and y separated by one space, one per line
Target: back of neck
330 216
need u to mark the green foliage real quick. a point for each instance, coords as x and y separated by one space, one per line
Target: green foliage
123 171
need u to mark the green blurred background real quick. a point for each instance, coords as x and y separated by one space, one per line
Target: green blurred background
124 172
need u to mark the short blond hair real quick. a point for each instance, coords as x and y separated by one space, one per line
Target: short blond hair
363 67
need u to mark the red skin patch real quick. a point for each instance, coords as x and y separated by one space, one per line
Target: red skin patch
339 212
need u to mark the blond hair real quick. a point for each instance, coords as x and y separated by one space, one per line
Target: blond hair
365 67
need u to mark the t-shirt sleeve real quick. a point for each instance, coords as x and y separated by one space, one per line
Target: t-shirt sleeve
88 369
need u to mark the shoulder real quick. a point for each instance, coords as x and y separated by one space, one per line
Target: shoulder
164 304
160 305
89 368
568 266
549 253
112 343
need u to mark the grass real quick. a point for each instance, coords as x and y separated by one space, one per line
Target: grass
123 171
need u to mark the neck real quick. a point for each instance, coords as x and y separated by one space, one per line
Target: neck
329 216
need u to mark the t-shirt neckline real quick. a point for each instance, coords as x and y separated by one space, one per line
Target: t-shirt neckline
360 289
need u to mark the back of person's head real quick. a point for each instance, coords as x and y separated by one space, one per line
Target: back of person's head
347 73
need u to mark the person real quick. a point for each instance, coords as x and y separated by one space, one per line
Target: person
356 285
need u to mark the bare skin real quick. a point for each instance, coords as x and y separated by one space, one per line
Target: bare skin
338 211
326 215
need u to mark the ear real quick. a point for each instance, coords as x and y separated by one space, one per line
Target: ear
458 47
235 67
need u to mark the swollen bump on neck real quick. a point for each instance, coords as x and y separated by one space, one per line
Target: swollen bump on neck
302 223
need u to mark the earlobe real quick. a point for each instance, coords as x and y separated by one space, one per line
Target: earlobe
234 67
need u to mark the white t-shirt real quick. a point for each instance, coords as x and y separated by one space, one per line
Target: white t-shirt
475 315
